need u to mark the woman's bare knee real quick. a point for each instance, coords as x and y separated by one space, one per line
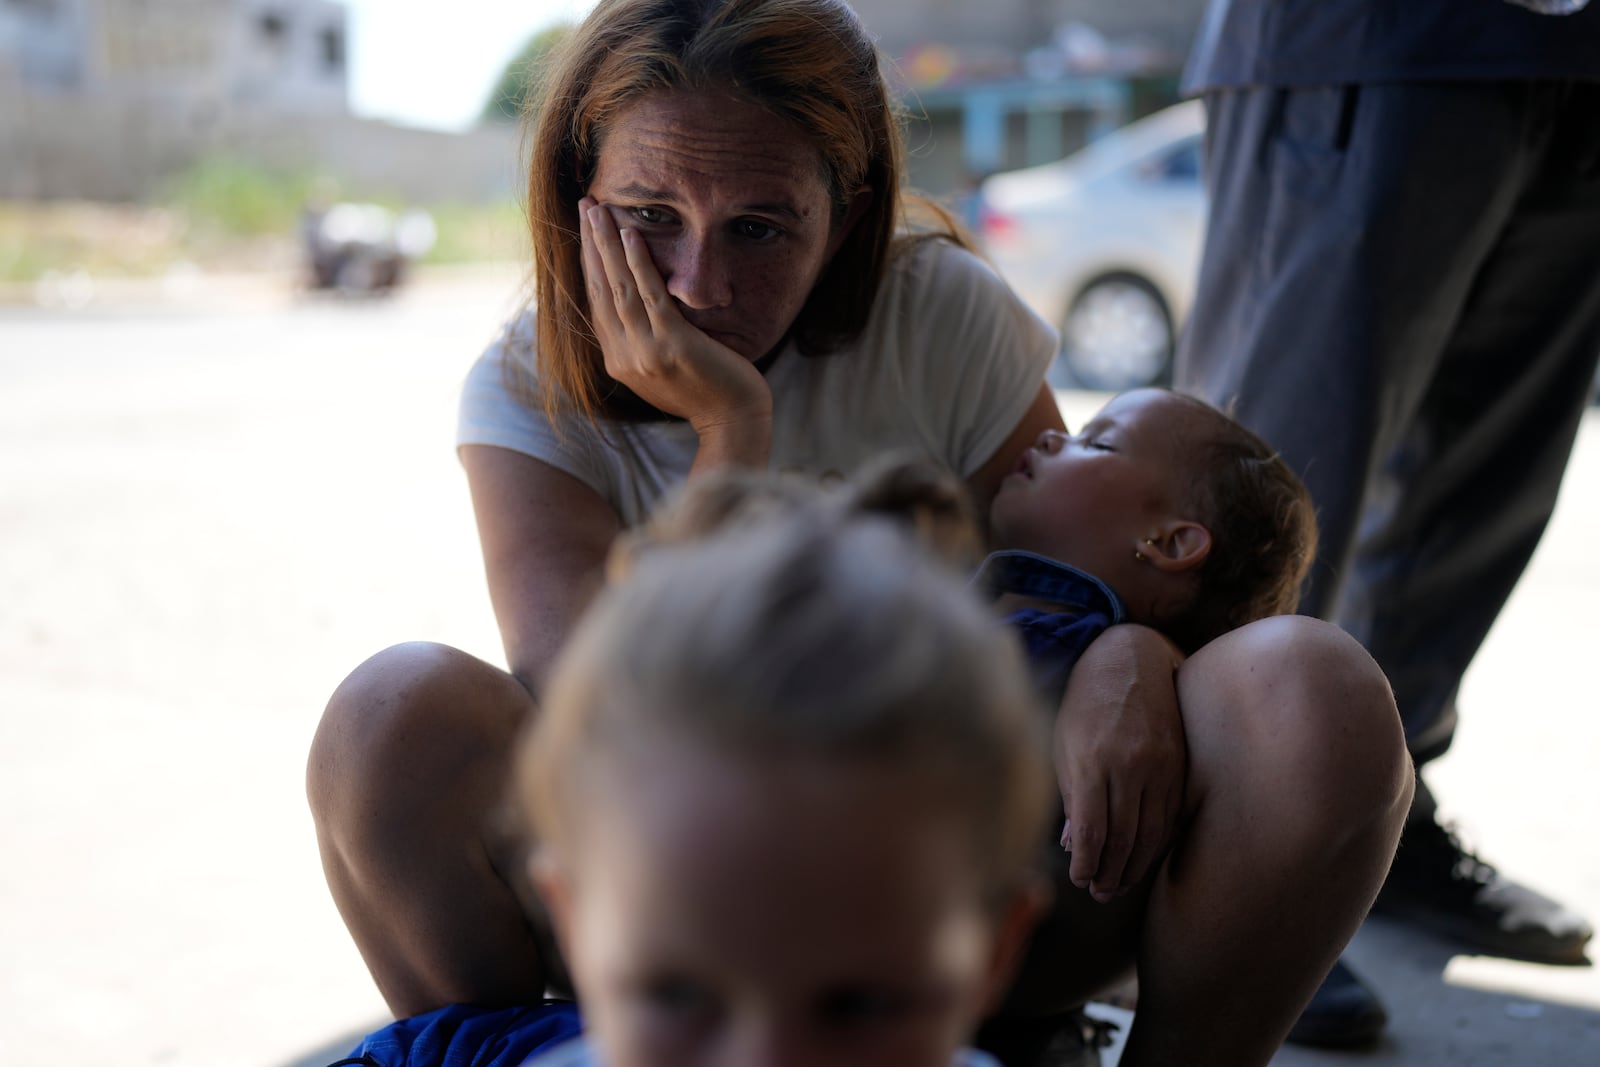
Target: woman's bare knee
1298 704
1298 785
400 732
404 778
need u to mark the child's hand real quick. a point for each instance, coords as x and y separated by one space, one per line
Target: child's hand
1120 759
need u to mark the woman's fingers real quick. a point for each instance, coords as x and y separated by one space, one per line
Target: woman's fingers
602 307
652 289
625 300
1156 835
1088 819
1122 829
1147 846
1115 840
624 296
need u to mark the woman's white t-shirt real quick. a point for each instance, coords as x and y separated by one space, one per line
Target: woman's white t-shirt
948 364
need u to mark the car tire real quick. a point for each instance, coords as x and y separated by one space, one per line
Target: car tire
1118 334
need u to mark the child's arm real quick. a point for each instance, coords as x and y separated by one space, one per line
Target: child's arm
1120 758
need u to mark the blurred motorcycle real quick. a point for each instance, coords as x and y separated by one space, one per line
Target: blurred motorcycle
363 249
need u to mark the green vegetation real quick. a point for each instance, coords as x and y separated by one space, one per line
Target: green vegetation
511 91
107 241
239 198
223 214
477 233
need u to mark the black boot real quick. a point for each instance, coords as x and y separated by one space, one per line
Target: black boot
1343 1013
1442 887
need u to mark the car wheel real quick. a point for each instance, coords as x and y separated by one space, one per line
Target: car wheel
1118 335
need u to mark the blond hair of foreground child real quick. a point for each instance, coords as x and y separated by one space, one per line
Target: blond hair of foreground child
788 787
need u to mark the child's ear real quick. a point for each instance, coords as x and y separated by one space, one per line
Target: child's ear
1015 924
1178 545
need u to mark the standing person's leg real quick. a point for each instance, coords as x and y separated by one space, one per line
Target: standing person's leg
405 777
1335 269
1334 272
1467 492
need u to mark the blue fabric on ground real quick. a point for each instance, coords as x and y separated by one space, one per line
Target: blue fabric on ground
463 1035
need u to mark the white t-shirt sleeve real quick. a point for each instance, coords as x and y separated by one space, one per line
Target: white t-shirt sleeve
976 354
491 414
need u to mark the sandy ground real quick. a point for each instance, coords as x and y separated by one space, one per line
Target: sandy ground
210 512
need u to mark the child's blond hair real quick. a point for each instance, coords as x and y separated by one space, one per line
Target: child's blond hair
796 628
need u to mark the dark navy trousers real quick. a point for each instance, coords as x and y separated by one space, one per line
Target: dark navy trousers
1401 292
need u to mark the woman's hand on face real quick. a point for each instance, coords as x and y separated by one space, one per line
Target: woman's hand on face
652 349
1121 759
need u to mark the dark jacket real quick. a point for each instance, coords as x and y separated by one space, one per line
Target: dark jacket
1298 43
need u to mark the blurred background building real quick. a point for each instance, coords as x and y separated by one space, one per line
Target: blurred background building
103 99
186 54
109 99
139 137
1012 83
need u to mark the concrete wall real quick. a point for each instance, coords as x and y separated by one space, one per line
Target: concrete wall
66 146
288 54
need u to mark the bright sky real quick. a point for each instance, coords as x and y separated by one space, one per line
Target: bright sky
433 64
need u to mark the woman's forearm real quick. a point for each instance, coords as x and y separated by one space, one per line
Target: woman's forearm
1121 758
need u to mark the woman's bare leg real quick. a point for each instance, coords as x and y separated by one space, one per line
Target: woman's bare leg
1298 786
405 774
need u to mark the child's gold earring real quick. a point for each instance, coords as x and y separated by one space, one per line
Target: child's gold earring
1140 556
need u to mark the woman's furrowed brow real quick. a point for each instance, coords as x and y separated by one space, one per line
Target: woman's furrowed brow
640 191
776 207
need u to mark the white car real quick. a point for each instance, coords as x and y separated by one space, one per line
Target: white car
1106 244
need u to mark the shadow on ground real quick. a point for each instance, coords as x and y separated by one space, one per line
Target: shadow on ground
1436 1019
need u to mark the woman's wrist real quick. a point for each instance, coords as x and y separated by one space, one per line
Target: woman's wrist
740 441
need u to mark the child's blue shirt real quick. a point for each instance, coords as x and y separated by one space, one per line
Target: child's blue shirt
1084 607
465 1035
